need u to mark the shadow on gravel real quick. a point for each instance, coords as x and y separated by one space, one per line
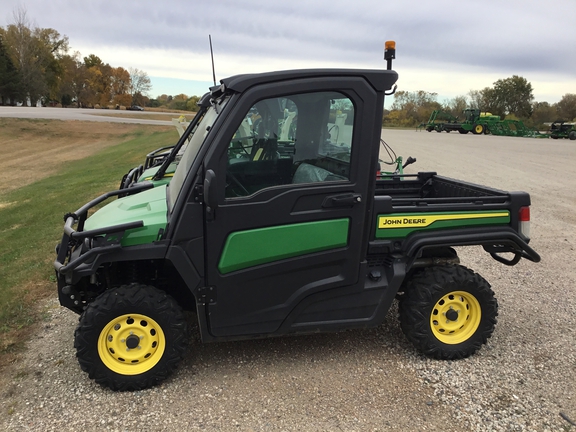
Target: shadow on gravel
385 343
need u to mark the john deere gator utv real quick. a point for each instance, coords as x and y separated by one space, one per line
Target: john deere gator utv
261 236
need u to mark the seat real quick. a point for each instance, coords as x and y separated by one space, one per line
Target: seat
265 149
307 173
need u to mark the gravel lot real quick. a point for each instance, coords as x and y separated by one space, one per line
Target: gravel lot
523 380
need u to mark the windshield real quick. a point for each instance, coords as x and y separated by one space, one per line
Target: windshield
192 150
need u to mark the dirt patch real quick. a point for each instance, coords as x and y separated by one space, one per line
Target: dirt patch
34 149
12 341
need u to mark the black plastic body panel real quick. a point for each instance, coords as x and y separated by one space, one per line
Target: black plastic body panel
261 300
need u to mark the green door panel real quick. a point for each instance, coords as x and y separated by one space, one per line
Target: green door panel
249 248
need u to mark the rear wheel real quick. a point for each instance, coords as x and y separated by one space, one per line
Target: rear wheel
131 337
448 312
572 135
478 129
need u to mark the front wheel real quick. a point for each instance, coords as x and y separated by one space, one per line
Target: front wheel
131 337
448 312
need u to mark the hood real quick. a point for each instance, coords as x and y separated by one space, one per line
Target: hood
148 206
149 173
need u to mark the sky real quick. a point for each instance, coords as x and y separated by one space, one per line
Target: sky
444 47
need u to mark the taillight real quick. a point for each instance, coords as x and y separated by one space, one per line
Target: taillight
524 222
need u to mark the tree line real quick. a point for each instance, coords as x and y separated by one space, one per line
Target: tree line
36 67
180 102
509 98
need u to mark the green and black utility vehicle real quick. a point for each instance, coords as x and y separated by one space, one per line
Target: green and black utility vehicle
275 223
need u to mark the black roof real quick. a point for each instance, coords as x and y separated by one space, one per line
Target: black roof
381 80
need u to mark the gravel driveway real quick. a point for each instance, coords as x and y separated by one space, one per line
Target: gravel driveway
373 380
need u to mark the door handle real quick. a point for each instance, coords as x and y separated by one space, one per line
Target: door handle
209 194
344 200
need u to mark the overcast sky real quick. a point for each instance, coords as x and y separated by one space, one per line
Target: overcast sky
446 47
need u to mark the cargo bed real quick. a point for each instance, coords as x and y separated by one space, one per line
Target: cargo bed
425 210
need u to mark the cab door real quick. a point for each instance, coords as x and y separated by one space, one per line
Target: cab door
291 175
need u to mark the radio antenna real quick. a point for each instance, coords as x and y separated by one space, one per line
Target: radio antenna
212 56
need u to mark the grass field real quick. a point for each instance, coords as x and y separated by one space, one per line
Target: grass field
50 168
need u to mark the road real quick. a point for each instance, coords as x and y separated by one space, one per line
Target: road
98 115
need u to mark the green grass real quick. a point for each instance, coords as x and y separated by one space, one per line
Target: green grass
32 225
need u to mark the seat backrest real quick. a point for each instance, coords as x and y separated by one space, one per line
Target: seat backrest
265 149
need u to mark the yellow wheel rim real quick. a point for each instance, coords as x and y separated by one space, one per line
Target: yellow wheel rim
479 128
455 317
131 344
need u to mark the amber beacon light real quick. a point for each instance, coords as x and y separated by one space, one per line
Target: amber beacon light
389 53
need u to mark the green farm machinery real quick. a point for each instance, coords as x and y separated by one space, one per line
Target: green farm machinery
562 129
513 128
478 123
437 121
474 121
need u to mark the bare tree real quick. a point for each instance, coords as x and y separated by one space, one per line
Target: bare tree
140 85
456 106
35 53
20 41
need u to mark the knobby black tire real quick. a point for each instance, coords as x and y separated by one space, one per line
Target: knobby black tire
425 289
131 299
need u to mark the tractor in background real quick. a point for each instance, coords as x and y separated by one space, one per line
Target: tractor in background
562 129
474 121
479 122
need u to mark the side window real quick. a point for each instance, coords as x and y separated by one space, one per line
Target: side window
302 138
